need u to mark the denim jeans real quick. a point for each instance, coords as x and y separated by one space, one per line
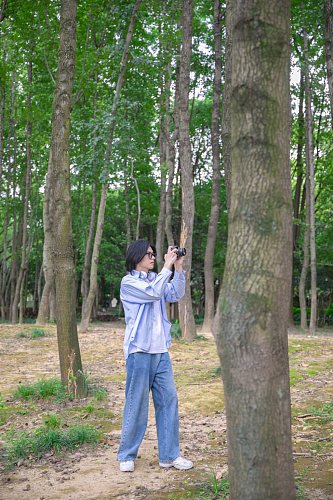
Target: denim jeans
147 372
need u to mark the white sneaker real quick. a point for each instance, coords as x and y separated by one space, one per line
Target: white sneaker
179 463
127 466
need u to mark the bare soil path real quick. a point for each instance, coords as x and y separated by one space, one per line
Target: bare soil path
92 473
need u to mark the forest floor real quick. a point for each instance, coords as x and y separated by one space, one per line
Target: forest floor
92 472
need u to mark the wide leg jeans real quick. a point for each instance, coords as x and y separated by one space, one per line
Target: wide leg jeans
147 372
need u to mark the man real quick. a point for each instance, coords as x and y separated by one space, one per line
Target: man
147 339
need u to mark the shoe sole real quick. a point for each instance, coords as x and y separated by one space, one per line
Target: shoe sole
168 466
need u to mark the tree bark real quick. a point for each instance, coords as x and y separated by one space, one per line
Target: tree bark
226 118
328 13
62 254
216 180
251 324
2 117
305 263
88 251
311 185
187 322
298 187
86 314
26 196
44 310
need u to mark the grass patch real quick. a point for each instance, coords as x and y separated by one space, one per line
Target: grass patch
99 394
42 389
324 412
215 488
48 437
36 333
295 376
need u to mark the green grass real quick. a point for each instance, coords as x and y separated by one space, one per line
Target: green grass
324 412
36 333
99 394
295 376
48 437
215 488
42 389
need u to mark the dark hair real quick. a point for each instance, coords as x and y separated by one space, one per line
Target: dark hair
136 252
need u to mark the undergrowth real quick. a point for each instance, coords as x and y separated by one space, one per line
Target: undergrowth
50 436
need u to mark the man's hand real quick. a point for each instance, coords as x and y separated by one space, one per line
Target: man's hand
170 258
179 264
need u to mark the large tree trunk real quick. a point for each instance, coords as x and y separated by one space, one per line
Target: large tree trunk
187 322
86 313
328 12
311 185
216 181
63 260
251 324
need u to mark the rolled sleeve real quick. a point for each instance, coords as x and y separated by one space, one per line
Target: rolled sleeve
175 290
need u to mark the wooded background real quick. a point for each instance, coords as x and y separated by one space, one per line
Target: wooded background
149 149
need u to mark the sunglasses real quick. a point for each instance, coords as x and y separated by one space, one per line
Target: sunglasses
151 255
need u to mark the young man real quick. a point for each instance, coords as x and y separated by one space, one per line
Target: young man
147 339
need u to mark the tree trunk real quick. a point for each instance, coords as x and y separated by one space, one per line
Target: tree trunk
87 256
311 185
86 314
127 208
2 116
64 270
216 181
251 324
187 322
298 187
328 13
25 200
305 264
226 118
44 310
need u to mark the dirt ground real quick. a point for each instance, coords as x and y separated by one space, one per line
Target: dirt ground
92 473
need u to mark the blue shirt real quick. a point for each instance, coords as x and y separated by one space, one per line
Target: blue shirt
138 293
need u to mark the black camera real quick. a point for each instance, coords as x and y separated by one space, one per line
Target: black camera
180 251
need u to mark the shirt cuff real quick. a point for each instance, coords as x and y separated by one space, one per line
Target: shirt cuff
165 271
179 275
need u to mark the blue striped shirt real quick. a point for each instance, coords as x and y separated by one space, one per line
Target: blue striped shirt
138 293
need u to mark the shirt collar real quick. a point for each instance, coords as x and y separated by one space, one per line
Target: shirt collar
142 275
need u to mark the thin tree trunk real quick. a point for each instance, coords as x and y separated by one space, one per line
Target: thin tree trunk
86 314
187 322
311 176
226 118
2 116
26 197
298 187
127 209
48 218
138 198
305 264
251 323
216 180
87 256
328 13
171 153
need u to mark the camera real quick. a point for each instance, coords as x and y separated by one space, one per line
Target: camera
180 251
